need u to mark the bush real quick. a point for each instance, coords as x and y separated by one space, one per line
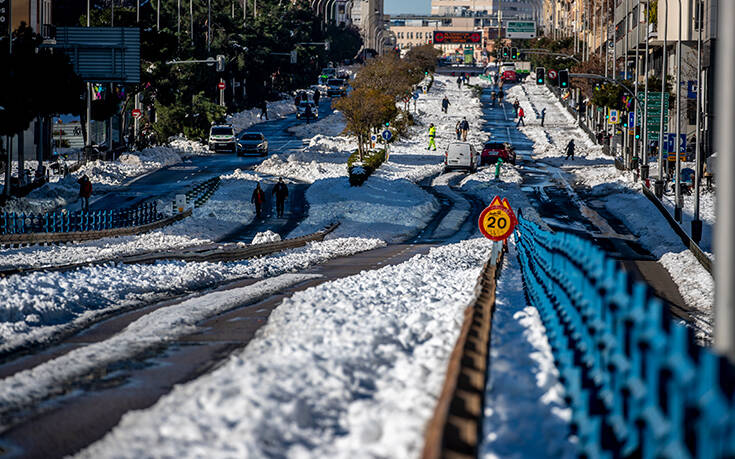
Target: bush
360 171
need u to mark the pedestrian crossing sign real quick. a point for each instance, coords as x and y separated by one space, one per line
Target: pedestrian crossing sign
613 117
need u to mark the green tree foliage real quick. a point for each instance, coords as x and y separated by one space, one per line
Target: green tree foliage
35 82
365 108
253 48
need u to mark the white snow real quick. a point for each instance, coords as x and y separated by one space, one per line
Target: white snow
525 412
247 118
39 305
266 236
350 368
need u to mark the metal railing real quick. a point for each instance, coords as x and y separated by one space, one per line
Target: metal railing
66 222
636 381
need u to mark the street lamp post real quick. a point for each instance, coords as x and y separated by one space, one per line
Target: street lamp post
659 184
677 204
635 81
644 128
696 222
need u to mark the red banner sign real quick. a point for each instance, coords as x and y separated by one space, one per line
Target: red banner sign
445 38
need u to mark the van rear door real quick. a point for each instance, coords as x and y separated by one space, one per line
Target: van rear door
459 155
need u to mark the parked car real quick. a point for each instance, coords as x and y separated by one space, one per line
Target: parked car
509 76
252 143
301 110
491 151
336 87
461 155
222 138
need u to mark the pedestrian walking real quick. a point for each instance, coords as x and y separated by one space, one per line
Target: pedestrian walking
263 109
297 99
258 199
280 191
543 116
308 113
493 96
85 191
501 94
458 131
570 150
317 97
464 126
445 104
432 137
516 104
521 114
459 82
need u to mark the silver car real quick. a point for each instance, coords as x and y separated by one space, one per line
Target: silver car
252 143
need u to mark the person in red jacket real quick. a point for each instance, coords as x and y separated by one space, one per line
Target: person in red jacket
521 114
85 191
258 199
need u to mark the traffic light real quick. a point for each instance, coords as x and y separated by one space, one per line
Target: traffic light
637 132
540 76
506 52
514 53
563 79
220 63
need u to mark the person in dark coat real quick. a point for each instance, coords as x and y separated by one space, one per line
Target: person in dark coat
263 109
258 199
459 82
570 150
464 126
85 191
280 191
445 104
501 94
543 116
308 114
317 96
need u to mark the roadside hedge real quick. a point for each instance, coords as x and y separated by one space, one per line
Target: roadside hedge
360 171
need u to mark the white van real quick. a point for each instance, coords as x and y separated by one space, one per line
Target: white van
461 155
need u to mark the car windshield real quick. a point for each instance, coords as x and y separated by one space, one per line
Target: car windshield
495 146
334 82
304 104
252 137
222 131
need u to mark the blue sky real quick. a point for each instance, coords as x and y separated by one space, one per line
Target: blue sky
407 6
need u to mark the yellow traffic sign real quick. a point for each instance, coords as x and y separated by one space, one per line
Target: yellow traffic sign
497 221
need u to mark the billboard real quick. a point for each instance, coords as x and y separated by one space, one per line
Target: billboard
102 54
520 29
450 38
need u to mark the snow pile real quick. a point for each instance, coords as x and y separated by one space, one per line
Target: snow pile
305 166
332 125
350 368
265 237
248 118
392 210
523 392
39 305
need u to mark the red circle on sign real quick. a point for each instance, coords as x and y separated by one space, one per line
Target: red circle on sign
438 37
507 231
475 37
136 113
221 85
552 74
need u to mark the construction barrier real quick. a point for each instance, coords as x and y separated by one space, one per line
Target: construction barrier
636 380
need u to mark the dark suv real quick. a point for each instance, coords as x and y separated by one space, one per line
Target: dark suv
491 151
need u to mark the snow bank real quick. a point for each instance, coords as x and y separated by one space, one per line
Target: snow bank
351 368
247 118
265 237
39 305
392 210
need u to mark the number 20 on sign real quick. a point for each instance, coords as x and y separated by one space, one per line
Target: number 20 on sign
497 221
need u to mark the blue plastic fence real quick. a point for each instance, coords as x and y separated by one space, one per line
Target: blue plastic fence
64 222
636 381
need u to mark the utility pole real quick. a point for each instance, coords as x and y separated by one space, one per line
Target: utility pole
209 25
725 262
696 222
677 140
659 185
158 16
635 81
191 21
644 127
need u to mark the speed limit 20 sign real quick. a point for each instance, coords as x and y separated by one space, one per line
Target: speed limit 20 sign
497 221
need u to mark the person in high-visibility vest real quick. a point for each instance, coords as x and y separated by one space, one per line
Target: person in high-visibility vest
432 137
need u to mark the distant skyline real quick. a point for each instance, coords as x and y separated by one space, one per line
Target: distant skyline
407 6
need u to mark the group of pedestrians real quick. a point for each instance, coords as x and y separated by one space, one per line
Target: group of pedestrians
462 79
280 192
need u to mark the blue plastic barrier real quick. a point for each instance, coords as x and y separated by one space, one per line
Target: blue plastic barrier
58 222
637 382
